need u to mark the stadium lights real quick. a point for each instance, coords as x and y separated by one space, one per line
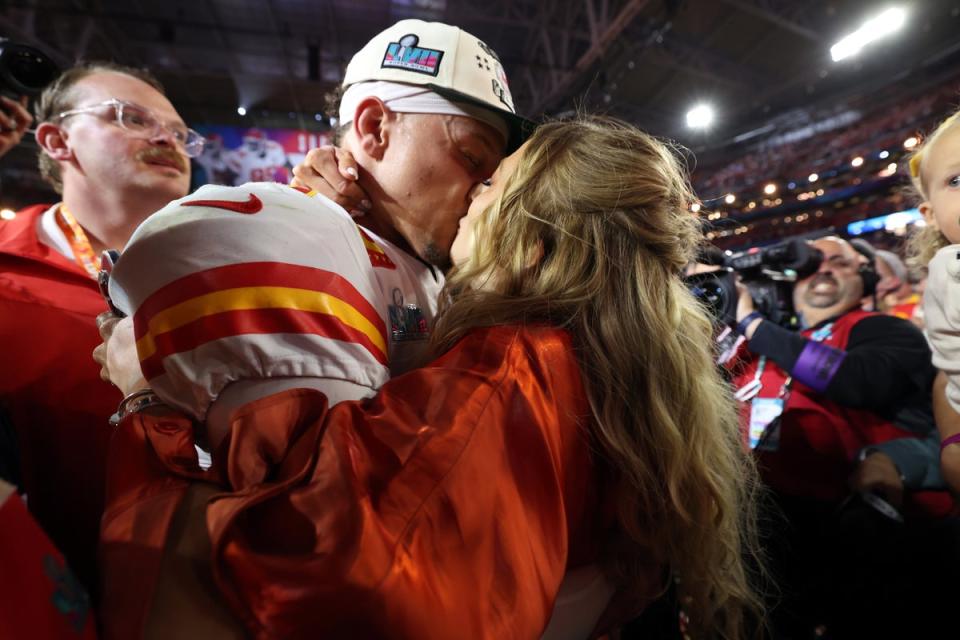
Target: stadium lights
813 177
882 25
700 116
910 142
7 214
770 189
241 111
856 162
730 198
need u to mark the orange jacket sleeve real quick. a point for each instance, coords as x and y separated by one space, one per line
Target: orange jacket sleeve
447 506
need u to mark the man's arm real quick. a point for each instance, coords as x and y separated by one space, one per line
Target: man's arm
885 360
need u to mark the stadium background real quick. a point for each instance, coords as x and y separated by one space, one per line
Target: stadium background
798 143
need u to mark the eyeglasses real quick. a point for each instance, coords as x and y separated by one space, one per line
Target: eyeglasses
144 124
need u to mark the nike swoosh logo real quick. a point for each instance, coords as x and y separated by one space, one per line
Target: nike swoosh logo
251 206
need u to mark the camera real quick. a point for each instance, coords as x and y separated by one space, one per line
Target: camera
769 273
24 70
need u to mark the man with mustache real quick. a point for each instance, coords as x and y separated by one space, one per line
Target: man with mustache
116 150
843 404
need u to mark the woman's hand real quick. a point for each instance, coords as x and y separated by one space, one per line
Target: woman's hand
117 355
333 173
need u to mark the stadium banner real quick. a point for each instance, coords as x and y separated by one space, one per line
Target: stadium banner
237 155
890 222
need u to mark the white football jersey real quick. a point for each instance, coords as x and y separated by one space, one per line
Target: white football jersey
266 281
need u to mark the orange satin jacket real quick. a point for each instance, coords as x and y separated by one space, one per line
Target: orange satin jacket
449 505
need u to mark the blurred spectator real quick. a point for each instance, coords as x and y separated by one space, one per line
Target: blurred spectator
933 170
843 405
895 295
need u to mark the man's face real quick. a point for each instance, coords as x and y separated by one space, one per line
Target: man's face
430 166
484 195
889 281
112 158
836 286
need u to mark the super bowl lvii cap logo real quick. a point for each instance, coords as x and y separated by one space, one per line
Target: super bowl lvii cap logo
406 55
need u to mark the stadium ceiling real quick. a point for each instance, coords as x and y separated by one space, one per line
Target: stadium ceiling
647 61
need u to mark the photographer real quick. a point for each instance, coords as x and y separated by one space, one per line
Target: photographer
842 404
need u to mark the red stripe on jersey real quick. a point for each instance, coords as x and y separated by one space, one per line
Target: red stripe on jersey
378 257
253 321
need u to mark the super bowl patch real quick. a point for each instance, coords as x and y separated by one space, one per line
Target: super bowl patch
406 55
406 320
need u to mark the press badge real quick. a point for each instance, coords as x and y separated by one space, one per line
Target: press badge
764 411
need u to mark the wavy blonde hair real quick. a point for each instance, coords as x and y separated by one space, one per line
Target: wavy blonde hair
927 240
607 206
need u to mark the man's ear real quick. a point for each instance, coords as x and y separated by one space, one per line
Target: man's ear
371 126
53 140
927 212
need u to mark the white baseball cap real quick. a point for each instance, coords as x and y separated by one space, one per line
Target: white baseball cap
448 60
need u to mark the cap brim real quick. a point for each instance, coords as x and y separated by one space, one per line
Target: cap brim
520 128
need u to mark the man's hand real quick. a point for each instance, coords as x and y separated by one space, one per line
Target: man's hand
117 355
332 172
879 474
745 307
14 120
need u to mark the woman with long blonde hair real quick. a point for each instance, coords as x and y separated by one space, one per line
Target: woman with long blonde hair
573 418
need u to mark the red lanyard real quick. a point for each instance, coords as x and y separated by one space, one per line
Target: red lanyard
83 251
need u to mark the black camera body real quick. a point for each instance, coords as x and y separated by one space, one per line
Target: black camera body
24 70
769 273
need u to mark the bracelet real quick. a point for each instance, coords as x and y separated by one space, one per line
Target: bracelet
949 440
741 327
134 403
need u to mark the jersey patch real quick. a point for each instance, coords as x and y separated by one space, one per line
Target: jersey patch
377 256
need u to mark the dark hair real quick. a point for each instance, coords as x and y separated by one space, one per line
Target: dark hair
331 105
58 96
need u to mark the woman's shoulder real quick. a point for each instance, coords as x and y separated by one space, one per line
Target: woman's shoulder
510 347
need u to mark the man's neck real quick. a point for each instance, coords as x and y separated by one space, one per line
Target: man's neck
380 224
814 317
108 219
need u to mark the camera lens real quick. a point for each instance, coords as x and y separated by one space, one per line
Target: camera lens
24 70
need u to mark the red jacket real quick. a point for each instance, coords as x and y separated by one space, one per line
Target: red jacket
448 506
51 390
39 597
